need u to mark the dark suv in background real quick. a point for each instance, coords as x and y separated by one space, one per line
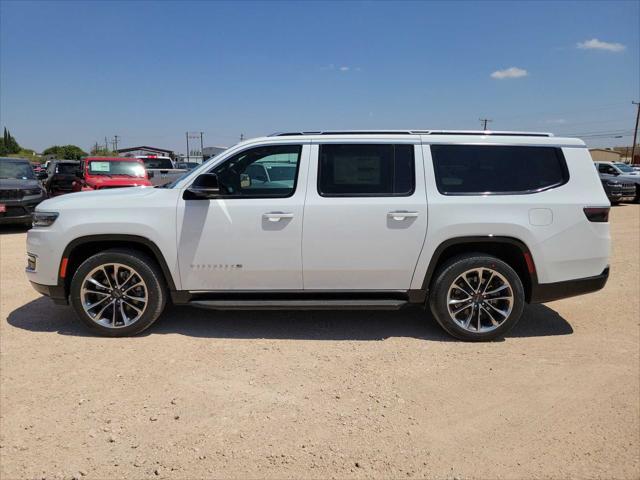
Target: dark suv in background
20 191
63 176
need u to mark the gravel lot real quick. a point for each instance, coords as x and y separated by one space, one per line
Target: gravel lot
323 394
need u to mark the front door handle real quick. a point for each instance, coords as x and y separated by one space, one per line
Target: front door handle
402 214
277 216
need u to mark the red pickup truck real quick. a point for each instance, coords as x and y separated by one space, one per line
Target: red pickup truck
113 172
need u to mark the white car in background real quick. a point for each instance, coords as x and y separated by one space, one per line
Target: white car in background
161 170
471 225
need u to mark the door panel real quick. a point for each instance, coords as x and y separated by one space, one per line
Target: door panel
362 243
244 243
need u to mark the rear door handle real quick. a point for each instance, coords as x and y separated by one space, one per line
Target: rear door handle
277 216
402 214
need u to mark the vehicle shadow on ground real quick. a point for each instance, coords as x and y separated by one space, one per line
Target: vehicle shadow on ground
13 229
41 315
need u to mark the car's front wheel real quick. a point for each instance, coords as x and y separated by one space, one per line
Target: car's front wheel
477 297
118 293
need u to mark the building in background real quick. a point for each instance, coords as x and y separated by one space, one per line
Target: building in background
604 155
144 150
209 152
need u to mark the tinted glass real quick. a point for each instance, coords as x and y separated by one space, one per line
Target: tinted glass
163 163
604 168
481 169
66 168
260 172
366 170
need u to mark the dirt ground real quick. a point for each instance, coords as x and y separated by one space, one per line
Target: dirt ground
323 394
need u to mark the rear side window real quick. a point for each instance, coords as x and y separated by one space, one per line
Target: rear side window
360 170
490 169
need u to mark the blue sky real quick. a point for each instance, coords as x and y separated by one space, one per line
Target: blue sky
75 72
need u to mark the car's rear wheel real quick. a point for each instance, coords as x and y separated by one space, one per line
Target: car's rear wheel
477 297
118 293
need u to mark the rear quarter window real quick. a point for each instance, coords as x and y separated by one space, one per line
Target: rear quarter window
492 169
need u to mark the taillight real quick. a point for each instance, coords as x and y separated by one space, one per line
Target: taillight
597 214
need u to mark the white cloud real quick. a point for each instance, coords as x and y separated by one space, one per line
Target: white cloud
595 44
512 72
344 69
556 121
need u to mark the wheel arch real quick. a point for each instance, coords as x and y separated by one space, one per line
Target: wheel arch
82 248
509 249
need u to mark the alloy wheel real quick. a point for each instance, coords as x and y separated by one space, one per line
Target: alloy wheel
114 295
480 300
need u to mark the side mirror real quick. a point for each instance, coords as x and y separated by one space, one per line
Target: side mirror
80 173
203 187
245 180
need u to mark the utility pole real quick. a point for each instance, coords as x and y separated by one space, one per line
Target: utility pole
115 142
241 136
188 153
201 147
95 148
635 135
484 122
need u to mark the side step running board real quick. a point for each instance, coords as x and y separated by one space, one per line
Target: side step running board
301 304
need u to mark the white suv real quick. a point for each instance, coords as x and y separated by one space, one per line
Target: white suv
472 224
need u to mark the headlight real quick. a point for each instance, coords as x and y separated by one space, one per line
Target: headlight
33 191
612 183
44 219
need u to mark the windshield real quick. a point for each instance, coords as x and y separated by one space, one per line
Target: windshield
624 167
17 170
106 167
164 163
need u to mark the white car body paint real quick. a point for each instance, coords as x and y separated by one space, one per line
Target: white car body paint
335 243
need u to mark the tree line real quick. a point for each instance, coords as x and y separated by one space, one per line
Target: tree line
10 146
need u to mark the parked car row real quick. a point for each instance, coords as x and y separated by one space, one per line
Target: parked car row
21 190
621 182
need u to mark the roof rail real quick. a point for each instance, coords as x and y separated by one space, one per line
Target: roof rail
415 132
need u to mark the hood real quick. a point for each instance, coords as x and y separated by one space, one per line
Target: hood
12 183
102 181
631 177
91 198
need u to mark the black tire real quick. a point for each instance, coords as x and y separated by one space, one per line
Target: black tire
447 275
637 199
145 267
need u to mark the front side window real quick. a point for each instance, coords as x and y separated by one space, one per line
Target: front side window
493 169
360 170
604 168
269 171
